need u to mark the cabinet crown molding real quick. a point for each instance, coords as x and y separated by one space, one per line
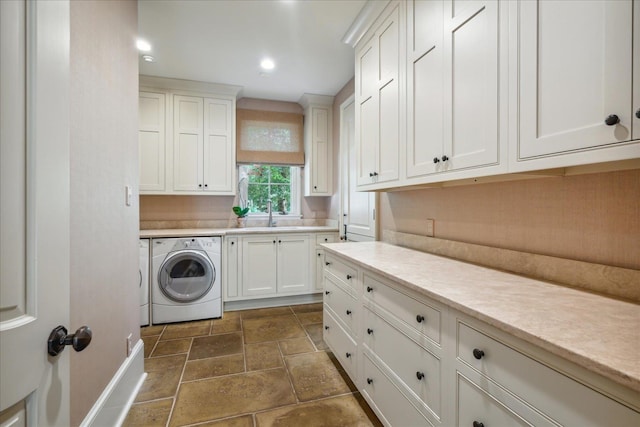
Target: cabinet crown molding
189 85
308 98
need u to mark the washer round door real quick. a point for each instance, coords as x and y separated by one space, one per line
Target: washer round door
186 276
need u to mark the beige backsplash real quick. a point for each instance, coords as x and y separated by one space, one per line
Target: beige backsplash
613 281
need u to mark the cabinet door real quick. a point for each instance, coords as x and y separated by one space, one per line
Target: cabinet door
294 264
151 140
425 84
187 143
575 71
259 265
219 147
319 273
366 131
231 270
471 102
320 173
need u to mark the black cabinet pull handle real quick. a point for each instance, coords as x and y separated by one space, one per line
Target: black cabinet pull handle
477 424
369 331
348 355
348 312
611 120
419 318
445 158
327 292
436 160
349 277
419 375
326 328
369 289
369 380
478 354
327 263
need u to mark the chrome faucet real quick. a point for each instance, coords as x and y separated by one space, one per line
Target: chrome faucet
271 222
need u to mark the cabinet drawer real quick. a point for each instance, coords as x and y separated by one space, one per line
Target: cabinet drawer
392 407
418 316
342 345
547 390
342 304
346 273
326 238
417 368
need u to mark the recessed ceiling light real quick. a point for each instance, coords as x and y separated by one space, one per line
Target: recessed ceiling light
148 58
267 64
143 45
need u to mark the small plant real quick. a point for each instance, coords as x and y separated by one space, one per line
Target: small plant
240 212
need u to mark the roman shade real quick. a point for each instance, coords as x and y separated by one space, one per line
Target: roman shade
269 137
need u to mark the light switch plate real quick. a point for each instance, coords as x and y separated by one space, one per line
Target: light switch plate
128 194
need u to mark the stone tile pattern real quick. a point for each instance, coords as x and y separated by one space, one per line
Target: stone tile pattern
262 367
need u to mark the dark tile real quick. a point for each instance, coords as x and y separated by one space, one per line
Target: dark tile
222 397
343 411
296 346
264 312
166 348
149 414
272 328
307 308
314 376
263 356
315 333
244 421
213 367
310 317
226 325
186 329
149 343
151 330
163 376
216 345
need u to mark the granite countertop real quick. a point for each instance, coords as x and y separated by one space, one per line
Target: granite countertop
200 232
598 333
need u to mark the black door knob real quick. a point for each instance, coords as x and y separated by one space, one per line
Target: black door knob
436 160
477 424
612 120
478 354
419 375
419 318
59 338
638 113
445 158
369 331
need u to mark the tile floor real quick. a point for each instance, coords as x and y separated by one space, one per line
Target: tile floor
263 367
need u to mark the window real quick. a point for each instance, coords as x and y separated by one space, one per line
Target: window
259 183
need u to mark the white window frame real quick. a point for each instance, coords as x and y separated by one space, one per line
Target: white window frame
295 210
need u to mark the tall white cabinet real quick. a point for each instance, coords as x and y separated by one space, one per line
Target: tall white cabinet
318 144
187 137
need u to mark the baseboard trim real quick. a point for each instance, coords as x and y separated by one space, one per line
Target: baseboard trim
112 406
272 302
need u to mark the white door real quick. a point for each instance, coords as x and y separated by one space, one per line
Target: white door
358 208
34 201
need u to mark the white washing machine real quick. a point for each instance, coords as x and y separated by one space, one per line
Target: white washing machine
187 280
144 282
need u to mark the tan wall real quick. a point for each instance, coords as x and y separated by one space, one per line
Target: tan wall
346 91
104 158
593 218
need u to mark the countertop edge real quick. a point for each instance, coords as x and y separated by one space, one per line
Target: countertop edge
203 232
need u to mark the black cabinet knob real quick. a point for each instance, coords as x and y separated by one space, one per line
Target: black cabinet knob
348 312
638 113
369 331
369 380
349 277
327 263
315 187
436 160
206 185
478 354
419 318
370 174
611 120
326 240
279 241
348 354
199 185
327 292
375 174
419 375
274 241
326 328
369 289
445 158
319 254
477 424
233 243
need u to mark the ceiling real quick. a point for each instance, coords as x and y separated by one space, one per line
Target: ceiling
220 41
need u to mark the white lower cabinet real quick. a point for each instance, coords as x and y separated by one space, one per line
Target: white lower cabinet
422 363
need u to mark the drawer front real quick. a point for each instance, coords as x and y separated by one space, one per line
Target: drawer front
417 368
550 392
343 346
342 304
394 409
326 238
346 273
418 316
475 407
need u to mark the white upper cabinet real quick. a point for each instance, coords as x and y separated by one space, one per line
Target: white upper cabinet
219 146
187 143
455 86
151 142
378 100
318 145
576 85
